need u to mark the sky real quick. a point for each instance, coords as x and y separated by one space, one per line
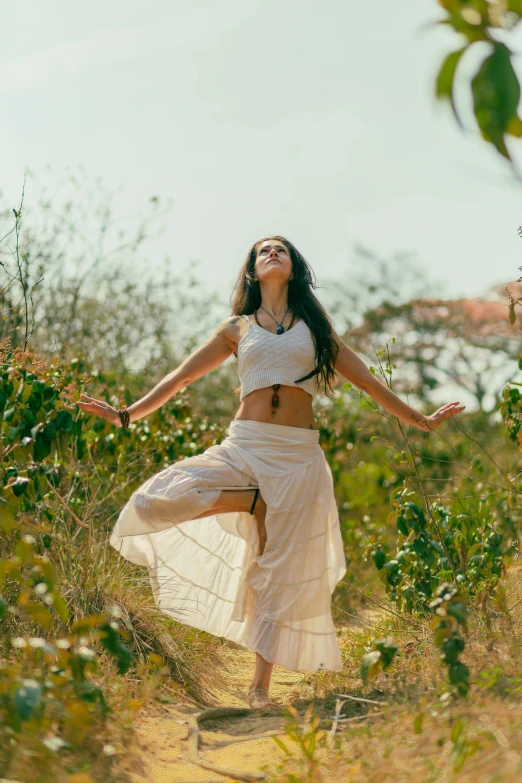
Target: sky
313 120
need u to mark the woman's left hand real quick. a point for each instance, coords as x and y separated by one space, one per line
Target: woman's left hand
100 408
435 419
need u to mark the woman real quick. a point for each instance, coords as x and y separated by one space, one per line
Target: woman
243 541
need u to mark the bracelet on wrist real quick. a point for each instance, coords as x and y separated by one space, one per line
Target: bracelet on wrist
124 416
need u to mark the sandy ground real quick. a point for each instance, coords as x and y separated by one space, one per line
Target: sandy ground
240 741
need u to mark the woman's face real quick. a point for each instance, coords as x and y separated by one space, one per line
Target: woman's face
273 261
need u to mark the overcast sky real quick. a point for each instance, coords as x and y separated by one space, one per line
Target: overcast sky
314 120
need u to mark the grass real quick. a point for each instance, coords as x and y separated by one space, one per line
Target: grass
422 735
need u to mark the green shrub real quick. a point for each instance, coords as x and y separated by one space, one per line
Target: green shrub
462 546
63 478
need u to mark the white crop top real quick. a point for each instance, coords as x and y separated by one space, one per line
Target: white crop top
264 358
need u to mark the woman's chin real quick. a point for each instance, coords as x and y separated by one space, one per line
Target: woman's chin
274 274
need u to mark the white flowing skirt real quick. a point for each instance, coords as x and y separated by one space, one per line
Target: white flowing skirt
206 572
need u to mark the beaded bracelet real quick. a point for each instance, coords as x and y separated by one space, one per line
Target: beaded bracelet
124 416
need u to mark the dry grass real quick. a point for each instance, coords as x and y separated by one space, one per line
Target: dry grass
422 736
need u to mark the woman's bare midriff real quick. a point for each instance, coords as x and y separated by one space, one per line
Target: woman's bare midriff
294 409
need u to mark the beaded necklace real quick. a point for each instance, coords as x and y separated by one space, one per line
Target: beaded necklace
280 330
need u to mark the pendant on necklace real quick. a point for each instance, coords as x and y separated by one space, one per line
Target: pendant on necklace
275 398
280 329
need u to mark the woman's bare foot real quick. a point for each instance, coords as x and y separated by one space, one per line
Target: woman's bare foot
259 515
258 697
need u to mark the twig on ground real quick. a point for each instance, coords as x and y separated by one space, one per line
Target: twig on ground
331 735
358 698
360 717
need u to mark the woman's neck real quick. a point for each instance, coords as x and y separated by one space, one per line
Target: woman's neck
275 300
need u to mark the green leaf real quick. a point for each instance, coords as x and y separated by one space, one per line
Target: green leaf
436 546
35 430
35 402
41 448
496 95
417 723
50 430
379 558
112 643
402 526
12 433
8 414
369 665
458 672
86 624
64 421
39 614
451 648
420 545
445 78
29 417
19 485
27 697
457 730
457 610
387 650
60 606
392 566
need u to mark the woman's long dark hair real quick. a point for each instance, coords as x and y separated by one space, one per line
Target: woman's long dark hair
301 301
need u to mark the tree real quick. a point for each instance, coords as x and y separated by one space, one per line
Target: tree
93 294
468 342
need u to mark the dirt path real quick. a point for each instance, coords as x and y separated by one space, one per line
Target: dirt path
241 741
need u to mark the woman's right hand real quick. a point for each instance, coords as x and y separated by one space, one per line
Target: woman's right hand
450 409
100 408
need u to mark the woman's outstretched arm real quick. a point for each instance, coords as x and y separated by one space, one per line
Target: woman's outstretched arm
209 355
354 369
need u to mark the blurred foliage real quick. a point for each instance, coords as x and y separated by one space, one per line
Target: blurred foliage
305 763
495 88
468 344
62 478
378 659
511 403
386 478
451 610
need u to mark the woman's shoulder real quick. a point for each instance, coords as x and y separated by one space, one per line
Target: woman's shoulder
232 320
234 327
